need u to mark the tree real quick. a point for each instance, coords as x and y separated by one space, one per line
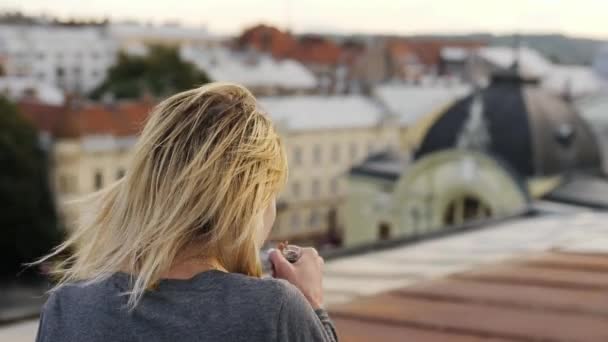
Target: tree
28 221
160 72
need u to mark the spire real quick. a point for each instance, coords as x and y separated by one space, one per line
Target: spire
475 134
516 53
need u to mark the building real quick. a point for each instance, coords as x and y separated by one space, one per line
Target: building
489 154
22 88
261 73
128 34
319 54
414 58
565 80
391 197
90 144
594 109
536 132
75 59
134 38
324 136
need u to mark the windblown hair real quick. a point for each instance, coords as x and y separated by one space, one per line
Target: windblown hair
202 172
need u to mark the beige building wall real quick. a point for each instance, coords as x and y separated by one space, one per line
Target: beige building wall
78 171
319 161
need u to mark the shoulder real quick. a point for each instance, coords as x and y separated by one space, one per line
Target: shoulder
79 296
275 291
67 309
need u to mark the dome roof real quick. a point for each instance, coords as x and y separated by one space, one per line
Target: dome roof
536 132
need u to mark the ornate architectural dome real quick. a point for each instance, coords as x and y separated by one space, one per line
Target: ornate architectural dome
534 131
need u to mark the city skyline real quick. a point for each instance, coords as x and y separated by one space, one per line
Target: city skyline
583 18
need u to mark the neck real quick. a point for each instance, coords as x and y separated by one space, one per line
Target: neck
187 266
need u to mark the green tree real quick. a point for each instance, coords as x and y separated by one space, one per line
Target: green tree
161 72
28 220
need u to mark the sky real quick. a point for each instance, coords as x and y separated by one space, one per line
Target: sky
585 18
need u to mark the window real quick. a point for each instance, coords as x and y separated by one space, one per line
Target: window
335 153
384 231
59 72
40 76
315 219
295 189
295 222
94 74
297 155
98 180
120 173
353 151
94 55
334 186
77 70
316 154
41 55
316 188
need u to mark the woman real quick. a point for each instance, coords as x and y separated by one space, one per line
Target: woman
171 251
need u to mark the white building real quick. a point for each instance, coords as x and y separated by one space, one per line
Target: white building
75 59
572 80
130 34
260 73
17 88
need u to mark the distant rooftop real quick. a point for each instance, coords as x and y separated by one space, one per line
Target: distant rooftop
388 165
172 32
531 62
310 112
251 70
412 102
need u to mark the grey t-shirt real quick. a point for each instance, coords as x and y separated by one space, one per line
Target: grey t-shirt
211 306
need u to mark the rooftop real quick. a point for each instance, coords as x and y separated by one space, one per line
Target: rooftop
251 70
531 62
411 103
379 270
121 119
310 112
553 296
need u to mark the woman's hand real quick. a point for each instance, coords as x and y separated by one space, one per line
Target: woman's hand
306 274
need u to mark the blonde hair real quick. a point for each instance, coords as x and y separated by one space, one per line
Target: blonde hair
203 170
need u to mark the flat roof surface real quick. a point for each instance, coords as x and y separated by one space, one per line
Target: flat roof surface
554 296
347 278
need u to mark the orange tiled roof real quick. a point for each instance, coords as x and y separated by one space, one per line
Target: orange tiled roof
280 44
119 119
428 51
44 117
